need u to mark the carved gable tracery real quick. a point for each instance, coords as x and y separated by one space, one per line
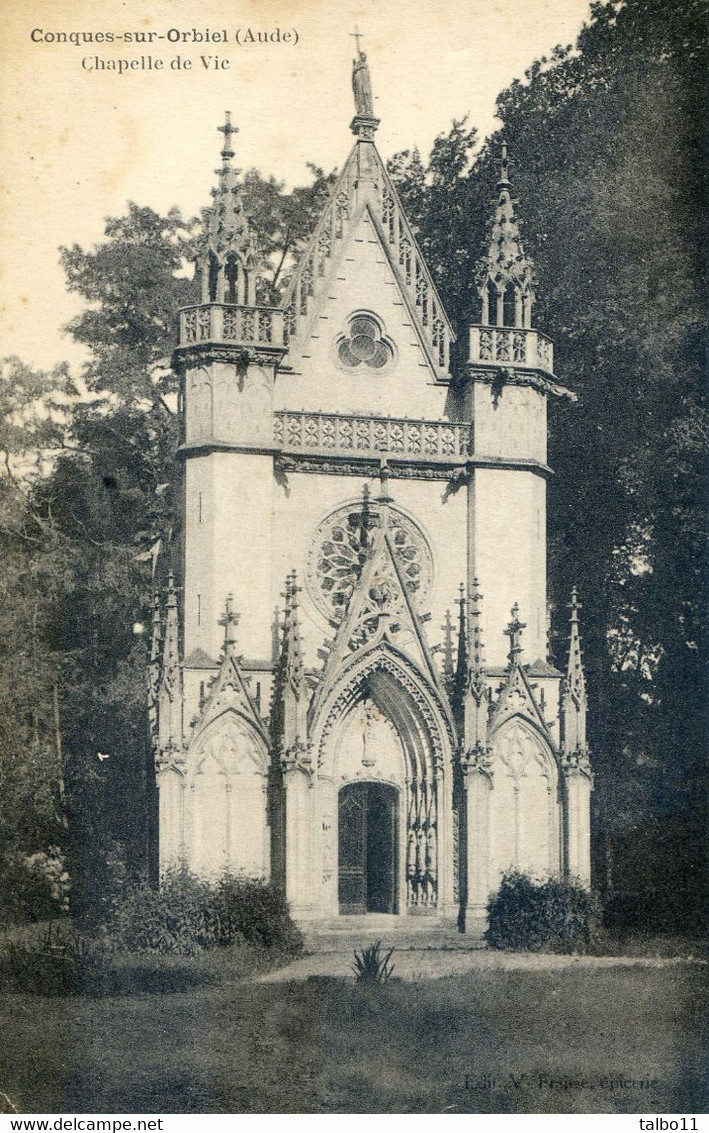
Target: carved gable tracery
232 745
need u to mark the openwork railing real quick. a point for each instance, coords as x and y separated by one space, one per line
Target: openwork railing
228 323
336 433
511 346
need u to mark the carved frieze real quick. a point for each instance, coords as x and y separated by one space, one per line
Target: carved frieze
336 433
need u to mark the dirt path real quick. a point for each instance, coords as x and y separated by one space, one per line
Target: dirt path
430 964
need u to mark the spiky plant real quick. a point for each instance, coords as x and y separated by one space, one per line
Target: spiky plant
370 966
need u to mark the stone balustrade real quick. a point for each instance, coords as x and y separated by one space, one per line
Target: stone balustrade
339 434
517 347
232 325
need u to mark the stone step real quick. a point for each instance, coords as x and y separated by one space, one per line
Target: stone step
345 934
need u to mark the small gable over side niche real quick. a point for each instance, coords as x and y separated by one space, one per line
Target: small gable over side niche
226 776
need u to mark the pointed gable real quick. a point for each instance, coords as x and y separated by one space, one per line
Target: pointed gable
517 699
516 696
229 692
364 215
380 610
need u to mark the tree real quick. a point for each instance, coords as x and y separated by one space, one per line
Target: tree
89 491
608 162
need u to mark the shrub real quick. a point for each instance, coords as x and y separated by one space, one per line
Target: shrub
252 910
556 915
370 966
59 965
100 878
35 886
53 965
186 915
170 919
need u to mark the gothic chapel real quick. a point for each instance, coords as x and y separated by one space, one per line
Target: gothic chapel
319 717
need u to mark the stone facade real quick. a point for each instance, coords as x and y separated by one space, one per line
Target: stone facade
319 715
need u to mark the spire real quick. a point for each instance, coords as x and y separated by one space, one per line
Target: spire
169 697
155 638
447 649
364 123
170 653
290 702
154 667
292 653
461 668
230 261
475 751
476 669
514 632
575 680
573 698
505 276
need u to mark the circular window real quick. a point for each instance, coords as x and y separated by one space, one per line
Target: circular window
340 546
364 344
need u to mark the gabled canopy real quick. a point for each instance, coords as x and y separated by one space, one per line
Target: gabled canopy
380 611
364 188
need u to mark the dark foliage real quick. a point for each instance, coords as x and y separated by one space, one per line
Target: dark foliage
60 964
186 915
556 915
53 965
32 887
251 910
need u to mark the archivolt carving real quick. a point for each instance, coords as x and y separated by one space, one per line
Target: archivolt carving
422 844
385 659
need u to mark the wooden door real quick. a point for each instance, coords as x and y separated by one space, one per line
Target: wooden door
352 848
367 848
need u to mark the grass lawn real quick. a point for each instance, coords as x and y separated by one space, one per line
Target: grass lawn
478 1043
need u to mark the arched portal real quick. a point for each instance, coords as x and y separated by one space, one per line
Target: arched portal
385 792
367 839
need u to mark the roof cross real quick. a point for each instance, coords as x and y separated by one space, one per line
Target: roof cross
229 619
356 35
514 632
227 130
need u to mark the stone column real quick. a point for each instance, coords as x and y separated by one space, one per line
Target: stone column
171 799
303 874
578 786
444 809
477 779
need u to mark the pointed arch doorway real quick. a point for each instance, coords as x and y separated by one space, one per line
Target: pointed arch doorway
368 824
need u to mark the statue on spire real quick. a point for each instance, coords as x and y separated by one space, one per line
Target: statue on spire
362 83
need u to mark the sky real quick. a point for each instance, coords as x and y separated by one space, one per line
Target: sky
80 139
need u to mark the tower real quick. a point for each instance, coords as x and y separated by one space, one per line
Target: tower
340 482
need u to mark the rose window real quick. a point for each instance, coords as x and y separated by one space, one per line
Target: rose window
364 346
340 549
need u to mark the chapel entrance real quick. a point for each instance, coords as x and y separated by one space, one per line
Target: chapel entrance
367 848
